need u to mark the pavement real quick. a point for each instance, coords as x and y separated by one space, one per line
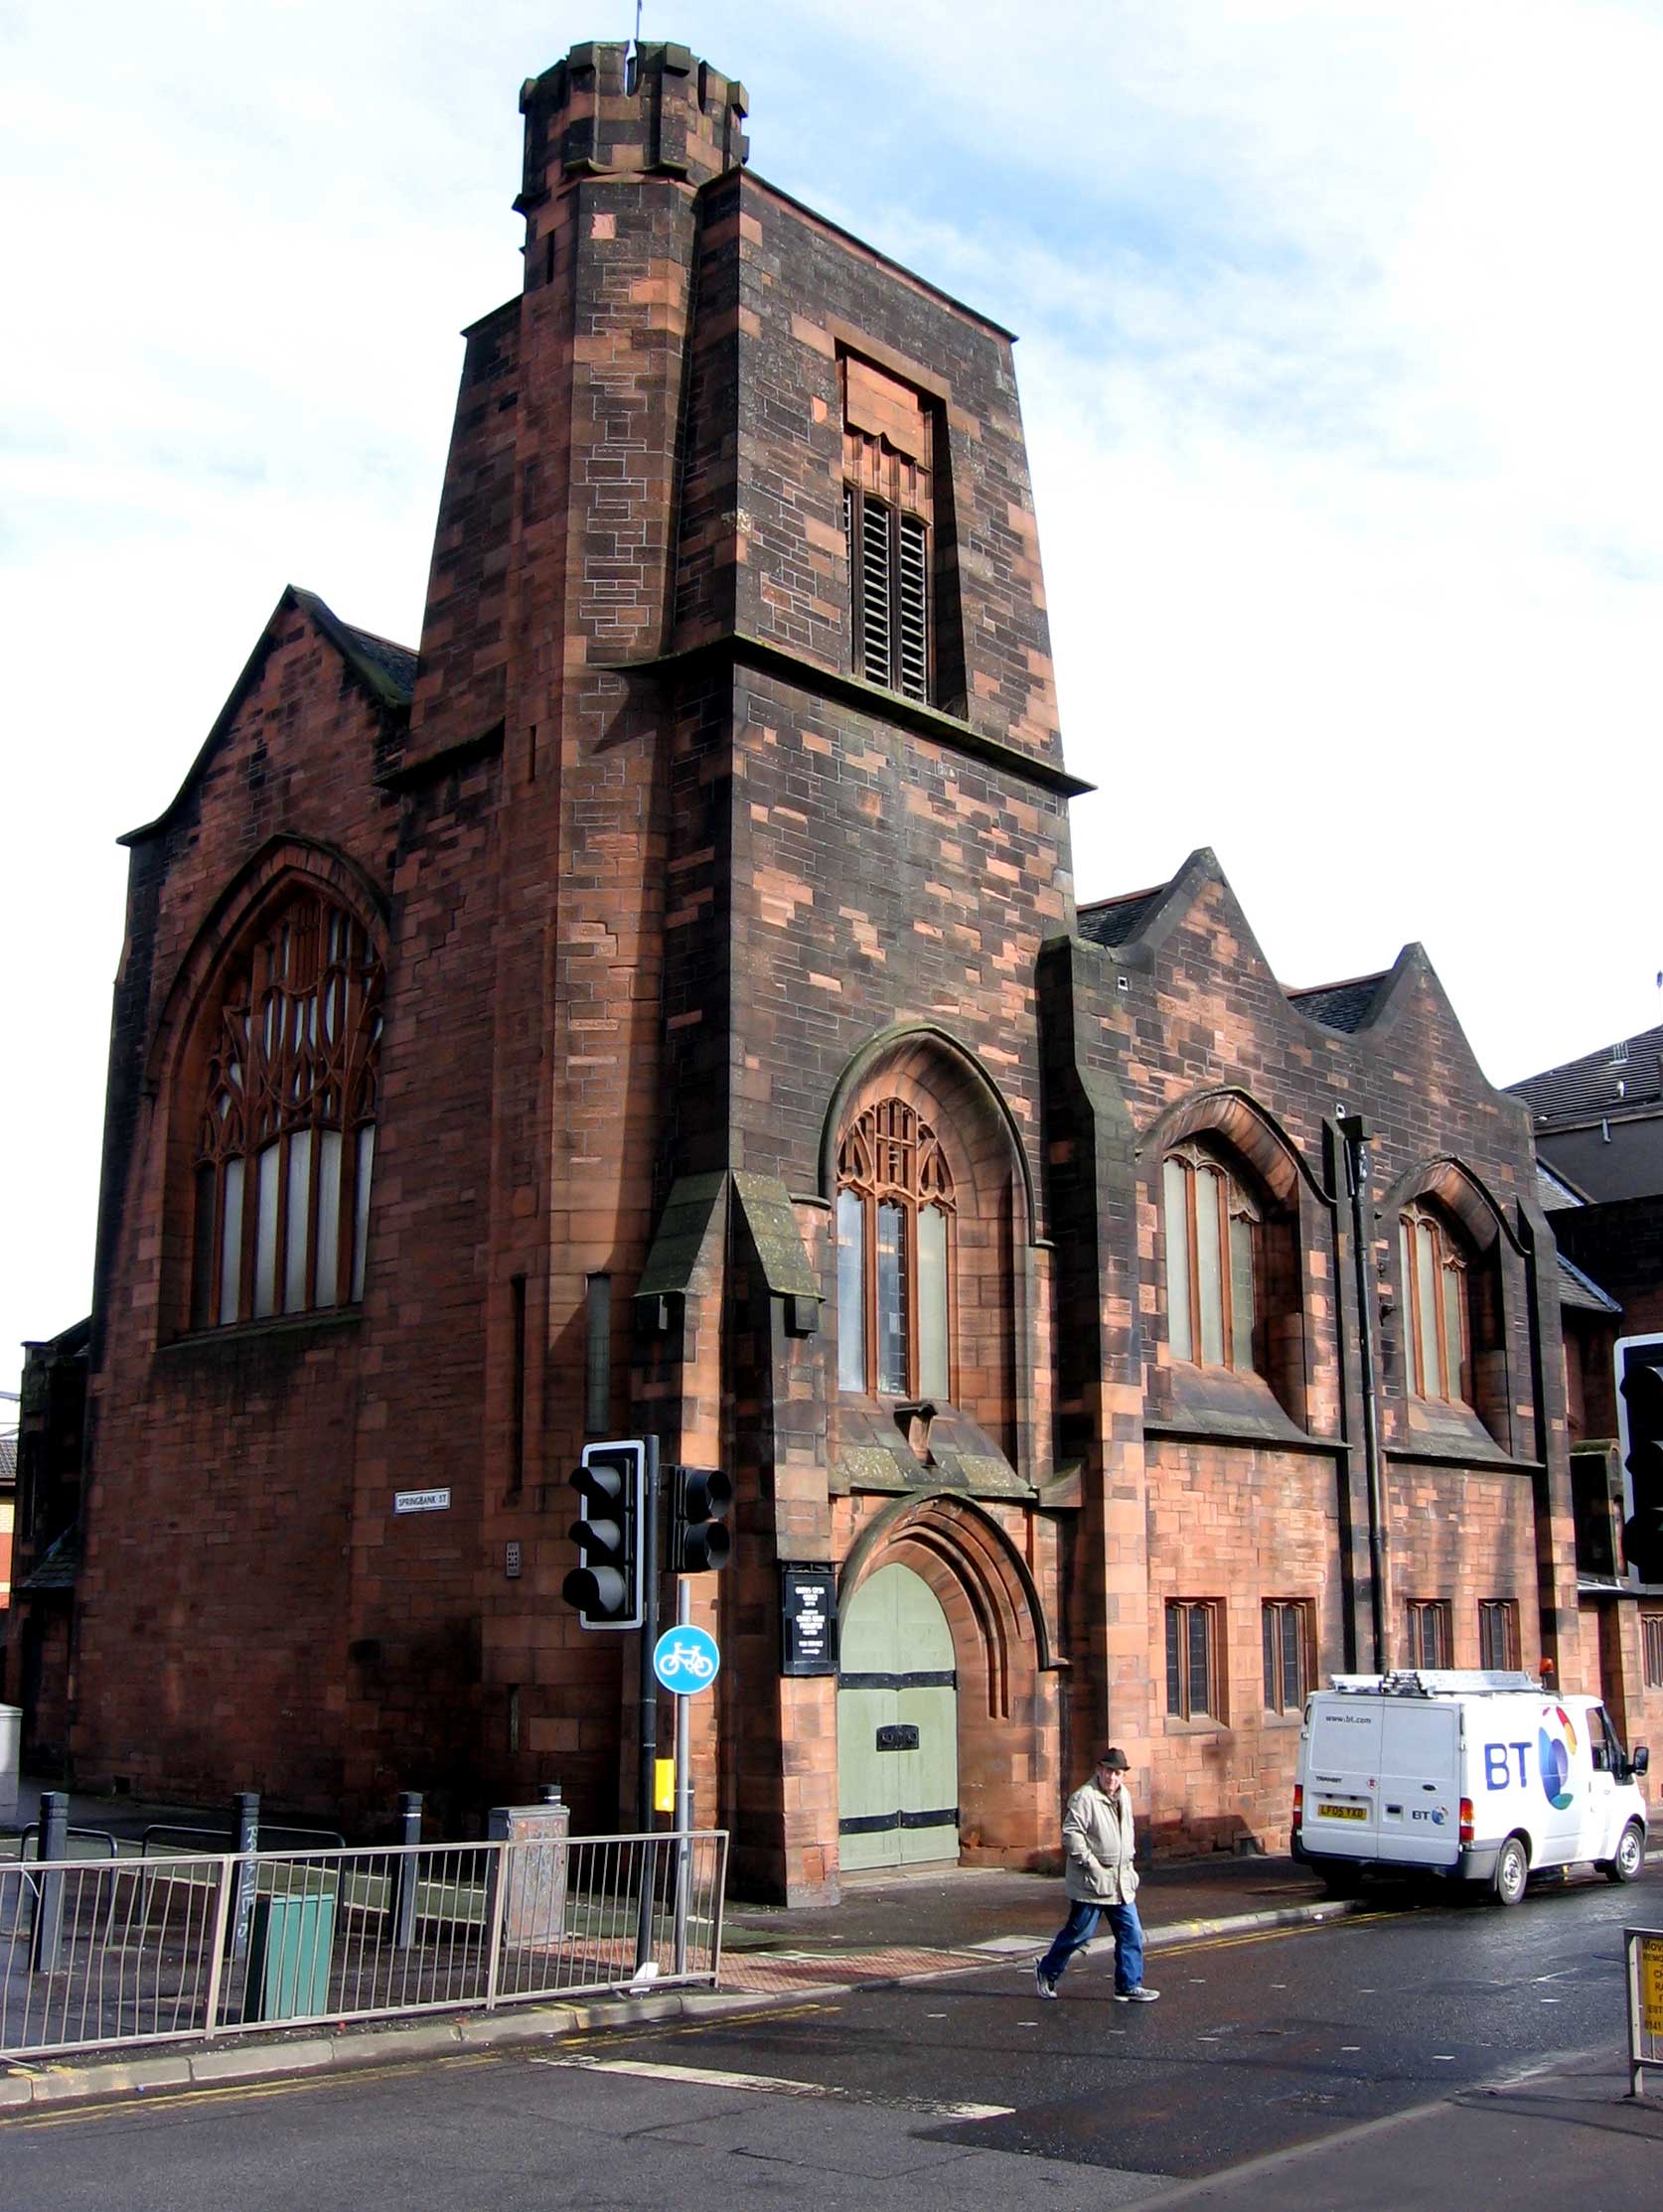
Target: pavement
1528 2140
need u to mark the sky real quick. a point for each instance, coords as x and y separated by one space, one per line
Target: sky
1340 339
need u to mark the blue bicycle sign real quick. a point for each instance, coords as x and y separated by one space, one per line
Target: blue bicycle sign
686 1660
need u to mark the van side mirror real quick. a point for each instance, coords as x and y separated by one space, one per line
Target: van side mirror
1641 1760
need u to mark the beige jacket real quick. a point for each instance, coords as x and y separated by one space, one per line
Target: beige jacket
1098 1846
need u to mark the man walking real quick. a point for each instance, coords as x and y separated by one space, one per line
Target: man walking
1101 1882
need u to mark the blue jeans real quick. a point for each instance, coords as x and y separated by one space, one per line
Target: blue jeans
1079 1929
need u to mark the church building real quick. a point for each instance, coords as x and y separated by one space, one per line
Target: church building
661 1005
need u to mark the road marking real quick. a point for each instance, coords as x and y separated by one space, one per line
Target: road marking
251 2092
711 2077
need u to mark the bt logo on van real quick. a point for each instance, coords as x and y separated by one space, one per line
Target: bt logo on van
1556 1748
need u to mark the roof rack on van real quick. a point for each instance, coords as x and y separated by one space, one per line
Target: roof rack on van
1441 1681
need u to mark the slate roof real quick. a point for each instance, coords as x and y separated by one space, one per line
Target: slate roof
1578 1289
388 670
8 1460
59 1567
1344 1005
1117 921
1578 1089
1556 1191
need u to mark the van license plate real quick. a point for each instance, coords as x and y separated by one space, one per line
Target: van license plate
1344 1812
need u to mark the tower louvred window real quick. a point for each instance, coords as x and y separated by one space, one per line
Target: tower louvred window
889 513
286 1134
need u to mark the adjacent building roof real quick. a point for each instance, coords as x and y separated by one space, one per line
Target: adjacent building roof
1582 1292
1556 1191
1618 1075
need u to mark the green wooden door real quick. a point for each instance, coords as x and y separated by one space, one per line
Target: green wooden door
897 1725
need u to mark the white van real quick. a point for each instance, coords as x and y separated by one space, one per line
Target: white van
1477 1777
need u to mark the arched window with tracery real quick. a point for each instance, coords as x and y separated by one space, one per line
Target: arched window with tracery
286 1134
1212 1224
1436 1292
895 1216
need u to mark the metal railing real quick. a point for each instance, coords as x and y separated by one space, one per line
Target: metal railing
94 1953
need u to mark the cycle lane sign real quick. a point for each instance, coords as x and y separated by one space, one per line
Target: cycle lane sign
686 1660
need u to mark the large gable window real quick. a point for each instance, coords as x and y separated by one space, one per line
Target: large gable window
1436 1332
888 516
286 1134
895 1209
1212 1233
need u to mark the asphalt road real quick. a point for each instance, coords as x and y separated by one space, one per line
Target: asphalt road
1259 2043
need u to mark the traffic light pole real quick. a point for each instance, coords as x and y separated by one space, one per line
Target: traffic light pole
648 1638
645 1947
684 1791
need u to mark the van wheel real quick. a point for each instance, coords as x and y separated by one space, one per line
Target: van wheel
1630 1855
1512 1871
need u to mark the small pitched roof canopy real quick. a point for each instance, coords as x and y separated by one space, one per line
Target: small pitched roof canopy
1624 1075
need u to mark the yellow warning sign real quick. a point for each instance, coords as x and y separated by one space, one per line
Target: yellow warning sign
1651 1984
664 1792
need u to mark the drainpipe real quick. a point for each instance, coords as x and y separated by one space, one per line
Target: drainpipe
1354 1144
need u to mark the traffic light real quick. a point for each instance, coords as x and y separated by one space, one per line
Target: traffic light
701 1543
610 1484
1639 1374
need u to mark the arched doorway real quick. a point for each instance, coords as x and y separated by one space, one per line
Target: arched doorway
897 1725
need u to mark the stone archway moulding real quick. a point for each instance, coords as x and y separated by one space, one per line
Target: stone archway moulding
1249 1129
971 1546
281 868
921 1049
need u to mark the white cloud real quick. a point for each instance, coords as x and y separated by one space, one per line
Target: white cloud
1339 363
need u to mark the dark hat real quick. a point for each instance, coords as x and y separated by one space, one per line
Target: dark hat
1114 1757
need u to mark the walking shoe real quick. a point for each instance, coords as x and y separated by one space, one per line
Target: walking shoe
1138 1996
1044 1985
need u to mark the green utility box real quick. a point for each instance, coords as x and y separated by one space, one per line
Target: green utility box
289 1944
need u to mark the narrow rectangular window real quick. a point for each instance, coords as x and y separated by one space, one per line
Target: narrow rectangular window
1426 1292
297 1217
1175 1185
1287 1639
1651 1650
1175 1660
891 1301
1498 1633
1209 1269
1429 1632
516 1383
361 1207
1192 1654
932 1303
1241 1293
266 1169
852 1291
1411 1328
597 1365
230 1244
329 1218
202 1266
